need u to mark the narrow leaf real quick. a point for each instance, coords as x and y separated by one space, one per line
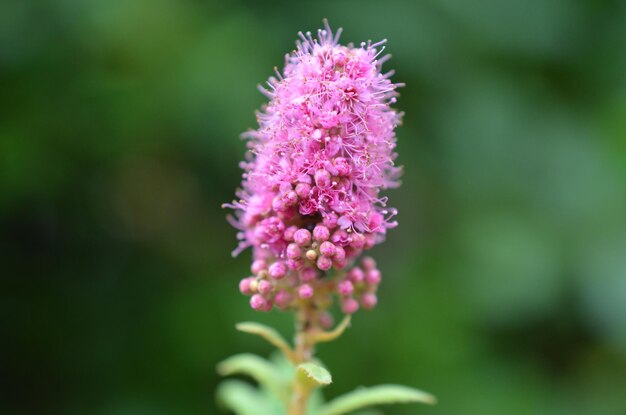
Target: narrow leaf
313 374
376 395
268 334
257 368
326 336
244 399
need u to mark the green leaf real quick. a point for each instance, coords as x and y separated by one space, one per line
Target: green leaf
259 369
313 375
268 334
326 336
376 395
244 399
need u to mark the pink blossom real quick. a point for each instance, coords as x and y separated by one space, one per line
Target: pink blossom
311 198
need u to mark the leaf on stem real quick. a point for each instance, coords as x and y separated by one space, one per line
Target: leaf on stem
313 375
269 334
326 336
244 399
259 369
376 395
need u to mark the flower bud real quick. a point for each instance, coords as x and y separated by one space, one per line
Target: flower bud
369 300
302 237
324 263
282 299
258 266
278 270
303 190
345 288
322 178
349 305
295 264
294 251
368 263
244 285
289 232
321 233
356 275
340 254
307 274
254 284
305 291
342 165
327 249
264 287
373 277
357 241
258 302
326 320
311 254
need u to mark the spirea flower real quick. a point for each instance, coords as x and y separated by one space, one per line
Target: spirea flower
310 201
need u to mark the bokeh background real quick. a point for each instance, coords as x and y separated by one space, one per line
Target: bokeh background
505 285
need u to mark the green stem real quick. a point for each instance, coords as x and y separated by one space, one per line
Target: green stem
303 353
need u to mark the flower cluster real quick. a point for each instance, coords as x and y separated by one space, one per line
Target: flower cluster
310 201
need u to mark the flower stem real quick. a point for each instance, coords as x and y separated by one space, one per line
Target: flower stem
303 353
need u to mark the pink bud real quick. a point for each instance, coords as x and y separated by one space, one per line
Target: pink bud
321 233
264 287
258 266
303 190
259 303
370 241
290 198
369 300
326 320
349 305
340 263
342 165
322 178
356 275
278 270
295 264
345 287
282 299
278 204
373 277
327 249
305 291
324 263
358 241
308 274
289 233
302 237
340 254
368 263
244 285
294 251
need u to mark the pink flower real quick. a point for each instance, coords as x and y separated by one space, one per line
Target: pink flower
310 198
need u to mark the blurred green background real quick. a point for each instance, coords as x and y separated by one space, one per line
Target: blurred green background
505 284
